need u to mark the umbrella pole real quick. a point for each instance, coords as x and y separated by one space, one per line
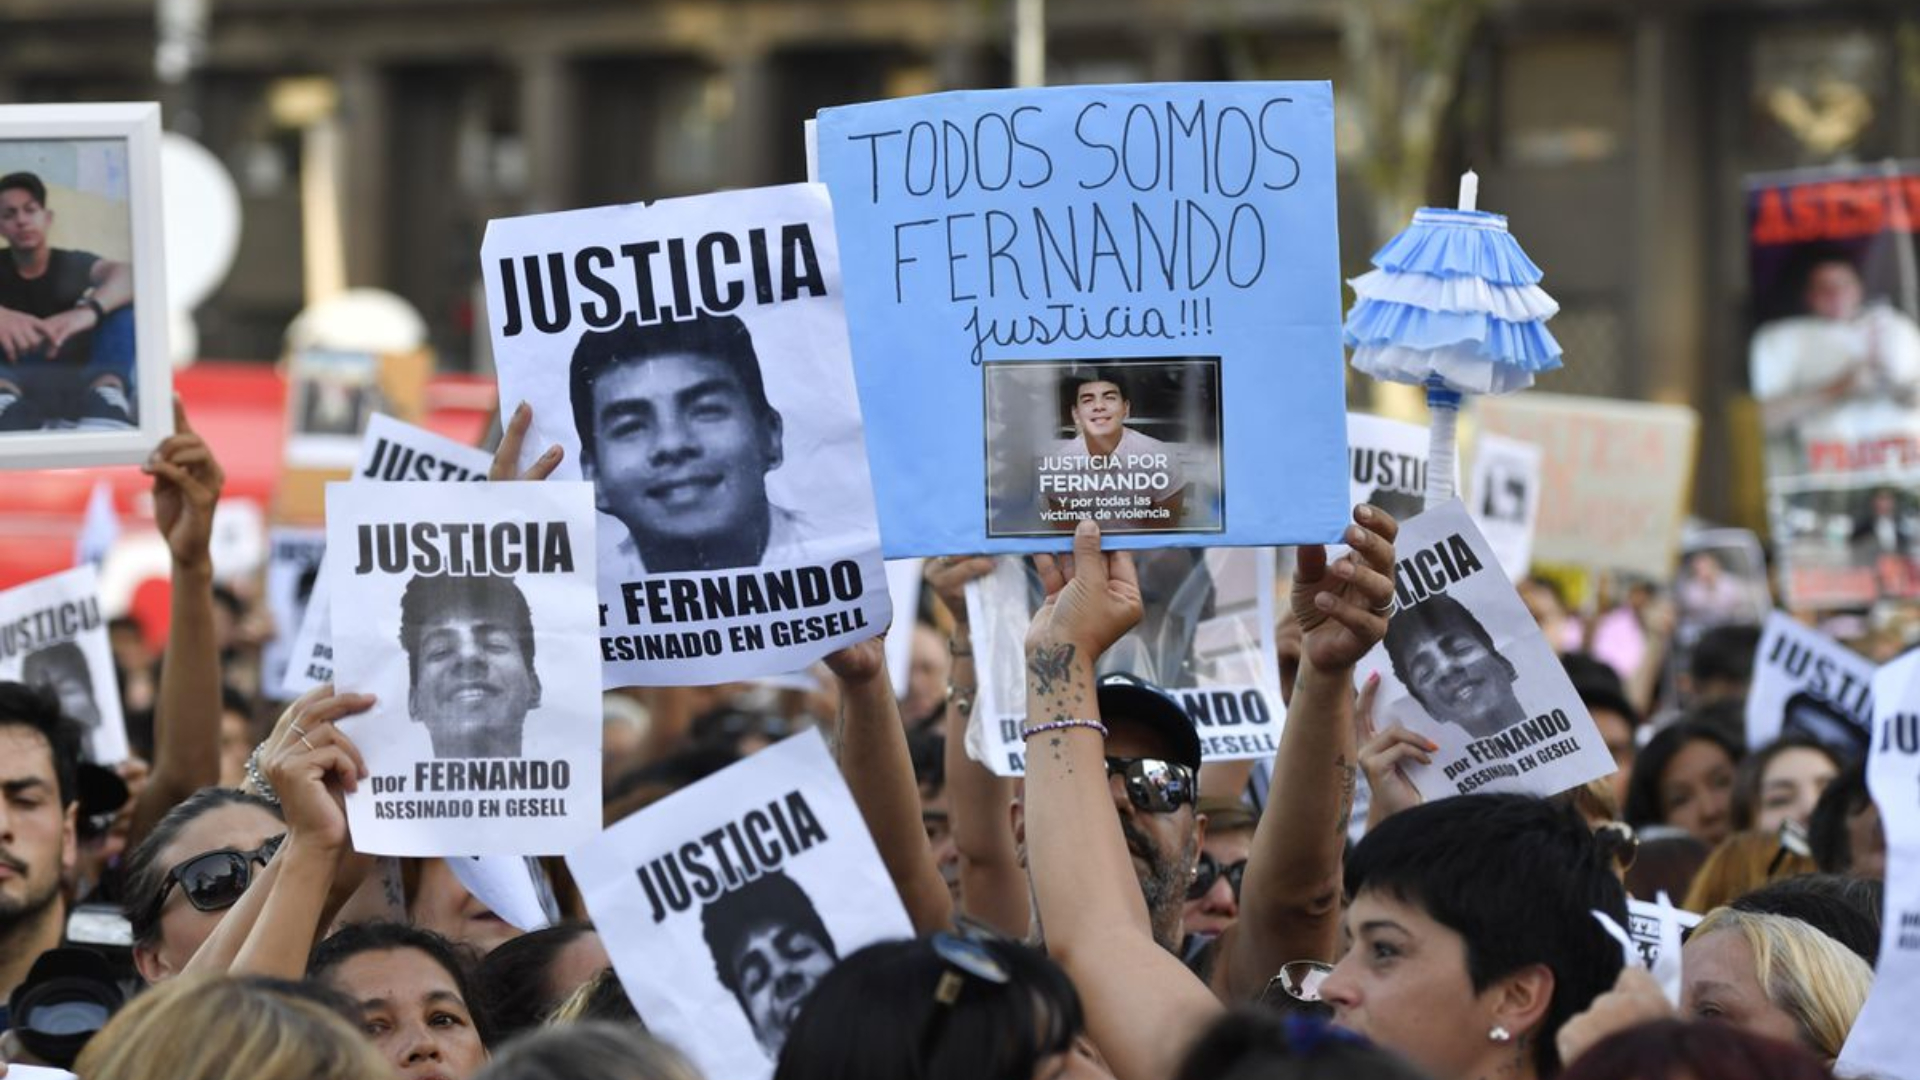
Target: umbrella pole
1443 409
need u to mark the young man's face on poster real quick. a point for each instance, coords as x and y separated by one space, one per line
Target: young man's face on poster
474 683
1099 410
775 968
679 449
23 221
1460 681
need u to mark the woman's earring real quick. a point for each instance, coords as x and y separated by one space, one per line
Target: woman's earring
1500 1034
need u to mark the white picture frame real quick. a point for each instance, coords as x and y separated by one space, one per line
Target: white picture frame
41 132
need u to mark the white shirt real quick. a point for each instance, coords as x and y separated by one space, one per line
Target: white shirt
1135 453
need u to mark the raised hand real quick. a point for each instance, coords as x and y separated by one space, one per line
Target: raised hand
861 661
948 575
506 459
1093 597
186 488
311 765
1343 608
1383 756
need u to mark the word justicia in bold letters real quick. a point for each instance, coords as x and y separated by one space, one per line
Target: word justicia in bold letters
395 462
715 264
1824 677
1432 570
1386 470
61 622
733 855
462 549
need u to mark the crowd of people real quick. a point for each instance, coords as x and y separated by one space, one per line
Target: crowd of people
1125 910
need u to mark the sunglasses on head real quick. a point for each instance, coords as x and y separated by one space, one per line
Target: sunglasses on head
1295 988
967 960
1155 786
215 880
1210 870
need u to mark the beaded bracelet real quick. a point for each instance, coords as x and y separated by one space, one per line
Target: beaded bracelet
259 779
1057 725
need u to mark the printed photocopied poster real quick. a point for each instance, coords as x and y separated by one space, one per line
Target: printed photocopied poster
1116 303
1505 499
1465 665
725 903
690 356
469 613
52 636
1807 684
390 451
1205 638
294 555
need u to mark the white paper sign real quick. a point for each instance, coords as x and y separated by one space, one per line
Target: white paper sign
1656 929
904 578
1506 498
469 611
1388 464
1881 1042
293 571
1806 683
1206 639
390 451
1464 664
514 888
53 636
691 357
723 904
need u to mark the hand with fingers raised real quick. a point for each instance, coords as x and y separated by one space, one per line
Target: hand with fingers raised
1093 597
1343 607
312 765
1383 757
506 459
186 488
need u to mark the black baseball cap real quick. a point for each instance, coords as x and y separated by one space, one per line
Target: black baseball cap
67 997
1132 699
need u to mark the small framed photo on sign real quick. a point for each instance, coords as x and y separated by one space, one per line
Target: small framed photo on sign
85 378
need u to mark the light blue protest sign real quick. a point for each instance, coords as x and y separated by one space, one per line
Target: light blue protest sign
1116 302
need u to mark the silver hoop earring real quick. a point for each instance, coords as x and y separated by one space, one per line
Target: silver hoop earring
1500 1034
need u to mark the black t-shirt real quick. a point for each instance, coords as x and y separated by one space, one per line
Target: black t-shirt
69 273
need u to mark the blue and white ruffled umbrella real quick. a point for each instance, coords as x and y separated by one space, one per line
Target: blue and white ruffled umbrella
1455 306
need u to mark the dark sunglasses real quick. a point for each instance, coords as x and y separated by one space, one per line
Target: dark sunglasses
1209 870
1155 786
965 959
215 880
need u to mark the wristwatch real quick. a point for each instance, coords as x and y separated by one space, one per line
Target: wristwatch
87 301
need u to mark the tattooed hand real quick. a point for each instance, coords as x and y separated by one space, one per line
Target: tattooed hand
1093 597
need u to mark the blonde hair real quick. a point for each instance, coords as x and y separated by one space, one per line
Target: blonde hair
1813 978
590 1050
216 1028
1742 863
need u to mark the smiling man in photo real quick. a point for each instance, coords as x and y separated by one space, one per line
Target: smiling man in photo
1147 470
677 436
471 679
1448 662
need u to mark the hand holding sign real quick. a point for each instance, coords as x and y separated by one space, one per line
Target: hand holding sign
1092 599
506 459
186 486
313 764
948 576
1381 755
1343 608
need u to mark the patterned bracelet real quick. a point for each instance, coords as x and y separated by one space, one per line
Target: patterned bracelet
1057 725
258 778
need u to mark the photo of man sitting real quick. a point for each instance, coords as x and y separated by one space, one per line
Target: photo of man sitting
66 326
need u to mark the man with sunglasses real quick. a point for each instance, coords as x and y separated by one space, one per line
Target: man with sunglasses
39 799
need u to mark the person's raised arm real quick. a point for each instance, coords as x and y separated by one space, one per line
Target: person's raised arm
1290 895
311 772
1143 1007
318 707
993 886
186 718
872 745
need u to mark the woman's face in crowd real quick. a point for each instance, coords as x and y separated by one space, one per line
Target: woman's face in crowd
1791 785
184 927
1403 983
413 1012
443 905
1219 907
1722 982
1696 791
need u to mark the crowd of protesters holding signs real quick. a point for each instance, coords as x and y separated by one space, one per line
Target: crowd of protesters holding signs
1076 793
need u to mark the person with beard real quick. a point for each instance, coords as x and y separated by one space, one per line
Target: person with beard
39 798
1114 927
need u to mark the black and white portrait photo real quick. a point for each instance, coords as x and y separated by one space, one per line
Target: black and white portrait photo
470 663
1450 664
769 949
53 638
678 436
